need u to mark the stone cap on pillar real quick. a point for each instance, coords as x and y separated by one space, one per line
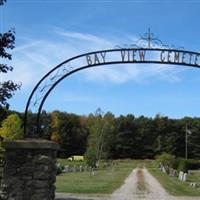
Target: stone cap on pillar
30 144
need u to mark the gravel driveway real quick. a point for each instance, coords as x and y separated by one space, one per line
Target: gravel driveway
129 191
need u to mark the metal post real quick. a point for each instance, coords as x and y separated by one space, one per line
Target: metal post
186 145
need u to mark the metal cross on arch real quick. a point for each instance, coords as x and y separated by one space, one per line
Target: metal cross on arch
148 49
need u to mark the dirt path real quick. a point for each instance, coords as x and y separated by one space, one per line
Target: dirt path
154 191
128 189
148 188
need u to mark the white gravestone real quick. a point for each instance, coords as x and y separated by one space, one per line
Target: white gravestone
180 176
185 177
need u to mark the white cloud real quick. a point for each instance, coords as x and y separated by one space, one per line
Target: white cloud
83 37
117 74
34 58
138 73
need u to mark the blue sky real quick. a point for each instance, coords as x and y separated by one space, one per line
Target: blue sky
49 32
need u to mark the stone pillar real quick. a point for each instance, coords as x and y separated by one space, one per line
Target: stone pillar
29 170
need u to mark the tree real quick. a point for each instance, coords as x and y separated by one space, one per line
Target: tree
55 124
95 130
101 138
73 135
69 131
2 2
11 128
7 88
145 137
109 137
125 137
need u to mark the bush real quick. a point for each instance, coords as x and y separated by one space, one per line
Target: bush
166 159
175 164
91 158
59 169
185 165
193 164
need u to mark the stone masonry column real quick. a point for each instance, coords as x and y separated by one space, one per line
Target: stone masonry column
29 170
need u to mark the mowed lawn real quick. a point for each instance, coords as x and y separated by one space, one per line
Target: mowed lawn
175 187
105 181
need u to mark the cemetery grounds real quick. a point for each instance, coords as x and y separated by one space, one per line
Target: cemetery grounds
108 178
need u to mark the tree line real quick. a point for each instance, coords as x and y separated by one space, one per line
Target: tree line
104 135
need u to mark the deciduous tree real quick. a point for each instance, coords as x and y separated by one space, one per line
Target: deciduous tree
7 88
11 128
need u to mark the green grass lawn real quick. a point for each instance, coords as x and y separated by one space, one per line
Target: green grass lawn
194 176
175 187
105 181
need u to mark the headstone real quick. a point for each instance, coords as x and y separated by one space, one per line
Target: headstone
66 168
180 176
193 184
175 173
92 172
172 172
185 177
160 166
74 168
70 169
163 169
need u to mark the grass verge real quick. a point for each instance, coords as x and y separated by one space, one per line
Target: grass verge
175 187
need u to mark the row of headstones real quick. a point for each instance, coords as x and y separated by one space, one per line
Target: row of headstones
181 176
70 169
172 172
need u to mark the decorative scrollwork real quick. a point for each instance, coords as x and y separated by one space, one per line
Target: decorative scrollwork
49 82
150 41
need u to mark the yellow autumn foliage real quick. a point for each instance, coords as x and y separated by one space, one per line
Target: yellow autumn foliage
11 128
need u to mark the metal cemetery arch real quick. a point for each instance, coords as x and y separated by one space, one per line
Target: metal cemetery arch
141 52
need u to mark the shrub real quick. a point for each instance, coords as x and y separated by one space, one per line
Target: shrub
59 169
175 164
91 158
185 165
193 164
166 159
